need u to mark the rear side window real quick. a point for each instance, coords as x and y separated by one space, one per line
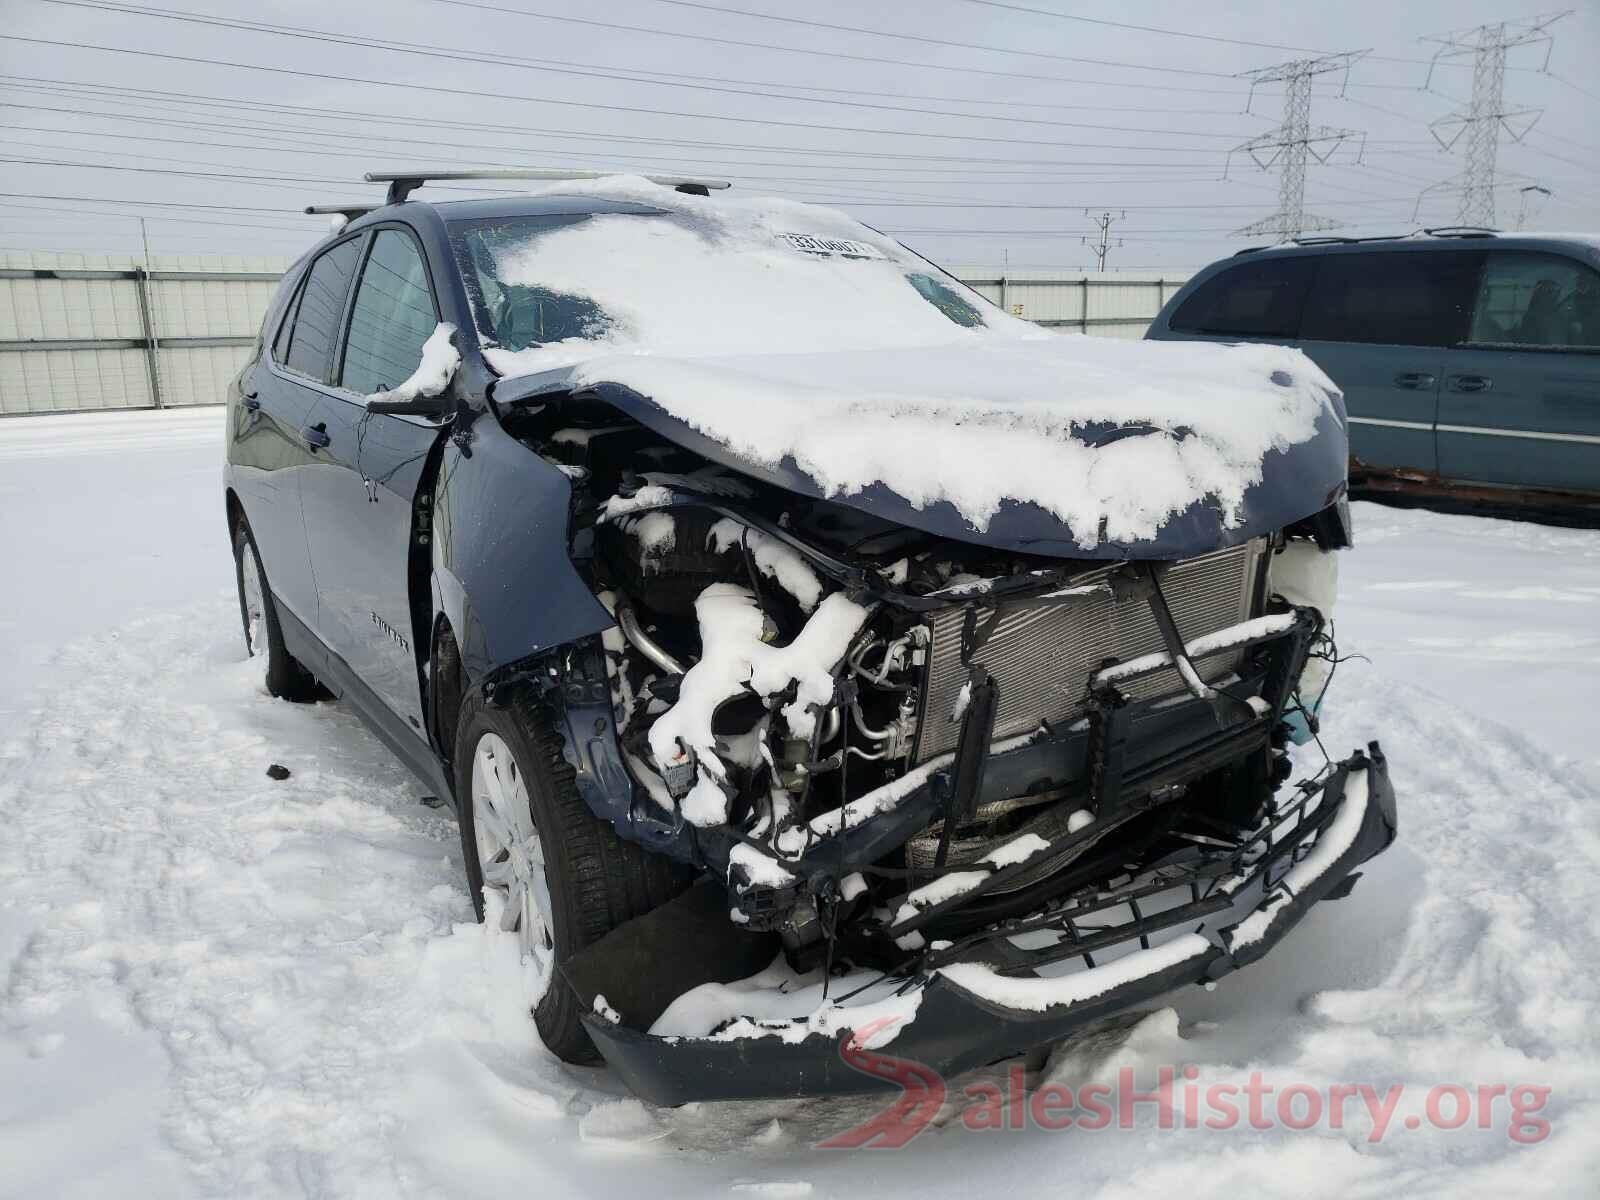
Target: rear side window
1399 298
316 323
1254 299
280 344
1537 301
392 317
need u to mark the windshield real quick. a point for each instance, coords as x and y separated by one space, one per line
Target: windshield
702 277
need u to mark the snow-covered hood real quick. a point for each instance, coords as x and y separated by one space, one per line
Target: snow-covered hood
1067 445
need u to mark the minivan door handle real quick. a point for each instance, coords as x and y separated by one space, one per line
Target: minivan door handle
1469 383
316 436
1415 380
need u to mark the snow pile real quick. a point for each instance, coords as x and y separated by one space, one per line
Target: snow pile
440 359
777 560
733 657
657 533
842 365
977 426
1333 841
1200 647
778 1003
956 883
719 275
1032 994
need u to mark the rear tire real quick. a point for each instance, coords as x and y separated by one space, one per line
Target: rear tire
263 636
587 878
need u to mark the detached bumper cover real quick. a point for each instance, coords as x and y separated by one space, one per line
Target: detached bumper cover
971 1013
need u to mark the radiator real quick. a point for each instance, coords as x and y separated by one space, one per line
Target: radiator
1041 658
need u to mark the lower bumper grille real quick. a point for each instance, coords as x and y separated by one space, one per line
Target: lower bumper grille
1041 658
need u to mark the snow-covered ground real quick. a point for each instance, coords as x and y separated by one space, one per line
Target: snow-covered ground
215 983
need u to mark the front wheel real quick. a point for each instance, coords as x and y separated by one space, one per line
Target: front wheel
560 878
263 636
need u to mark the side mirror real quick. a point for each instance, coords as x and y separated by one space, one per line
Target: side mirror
428 392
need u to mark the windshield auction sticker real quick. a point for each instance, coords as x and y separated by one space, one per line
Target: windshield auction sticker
829 247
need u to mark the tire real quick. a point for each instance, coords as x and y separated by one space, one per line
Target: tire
263 636
593 880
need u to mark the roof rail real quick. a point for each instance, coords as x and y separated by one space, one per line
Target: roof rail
1330 240
1461 231
403 183
348 211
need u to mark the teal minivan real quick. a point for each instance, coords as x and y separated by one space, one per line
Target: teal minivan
1466 357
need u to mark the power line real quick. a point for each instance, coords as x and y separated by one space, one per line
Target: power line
923 67
321 113
1199 37
92 215
481 57
920 39
143 203
284 180
347 152
411 86
867 194
1568 83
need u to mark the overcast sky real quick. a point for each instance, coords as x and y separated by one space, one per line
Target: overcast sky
976 132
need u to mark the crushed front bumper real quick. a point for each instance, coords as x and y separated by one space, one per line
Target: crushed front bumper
986 1008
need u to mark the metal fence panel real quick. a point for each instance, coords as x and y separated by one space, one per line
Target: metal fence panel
96 332
1107 304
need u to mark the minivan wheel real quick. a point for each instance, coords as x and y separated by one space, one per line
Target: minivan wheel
559 877
263 636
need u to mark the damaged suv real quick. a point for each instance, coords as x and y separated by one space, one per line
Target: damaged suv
817 658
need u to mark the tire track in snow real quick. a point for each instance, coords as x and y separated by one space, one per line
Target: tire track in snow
267 933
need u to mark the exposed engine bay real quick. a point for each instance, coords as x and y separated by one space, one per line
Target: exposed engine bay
896 750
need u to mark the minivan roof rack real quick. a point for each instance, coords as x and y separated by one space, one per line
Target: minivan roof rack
403 183
1461 231
1329 240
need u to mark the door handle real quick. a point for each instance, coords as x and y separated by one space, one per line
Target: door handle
316 436
1470 383
1415 380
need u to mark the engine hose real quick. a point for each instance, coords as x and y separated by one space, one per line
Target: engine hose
628 620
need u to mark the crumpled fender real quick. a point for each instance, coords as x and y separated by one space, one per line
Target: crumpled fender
503 574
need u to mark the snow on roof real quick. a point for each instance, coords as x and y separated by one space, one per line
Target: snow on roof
843 364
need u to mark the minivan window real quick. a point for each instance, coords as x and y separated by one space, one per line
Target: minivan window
1254 299
392 317
316 324
1535 300
1400 298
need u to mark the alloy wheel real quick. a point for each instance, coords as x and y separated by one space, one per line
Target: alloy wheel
511 856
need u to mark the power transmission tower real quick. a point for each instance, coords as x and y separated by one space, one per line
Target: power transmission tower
1486 115
1102 246
1289 146
1522 206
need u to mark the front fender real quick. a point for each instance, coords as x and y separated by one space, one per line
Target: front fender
502 570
